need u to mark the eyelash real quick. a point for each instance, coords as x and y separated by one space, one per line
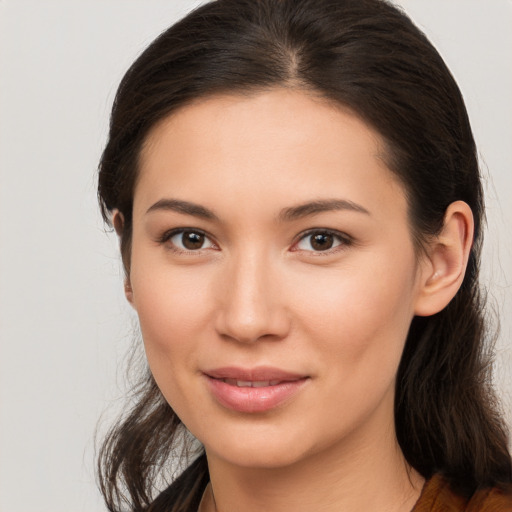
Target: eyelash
166 237
343 239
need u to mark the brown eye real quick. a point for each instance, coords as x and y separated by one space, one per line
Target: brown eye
190 240
321 241
318 241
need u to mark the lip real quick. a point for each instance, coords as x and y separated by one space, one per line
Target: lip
222 383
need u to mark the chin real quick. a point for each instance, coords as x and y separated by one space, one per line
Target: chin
258 456
258 446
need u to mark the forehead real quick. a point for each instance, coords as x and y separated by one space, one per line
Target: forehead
275 146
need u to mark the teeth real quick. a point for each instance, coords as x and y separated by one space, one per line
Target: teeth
251 384
261 384
244 383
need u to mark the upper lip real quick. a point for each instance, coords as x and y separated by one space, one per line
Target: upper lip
259 373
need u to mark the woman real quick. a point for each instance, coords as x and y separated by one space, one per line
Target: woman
297 195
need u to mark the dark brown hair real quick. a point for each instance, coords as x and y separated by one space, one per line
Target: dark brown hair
368 56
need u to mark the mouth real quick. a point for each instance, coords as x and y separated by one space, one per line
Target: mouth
254 390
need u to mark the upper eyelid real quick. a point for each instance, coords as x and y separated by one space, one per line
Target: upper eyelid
166 235
309 232
345 239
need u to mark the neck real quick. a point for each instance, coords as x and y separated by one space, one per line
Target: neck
363 474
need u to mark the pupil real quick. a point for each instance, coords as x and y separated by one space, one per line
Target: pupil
193 240
321 241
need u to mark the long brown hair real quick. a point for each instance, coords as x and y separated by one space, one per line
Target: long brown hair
369 56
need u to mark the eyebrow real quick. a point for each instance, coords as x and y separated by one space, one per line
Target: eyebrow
313 207
185 207
286 215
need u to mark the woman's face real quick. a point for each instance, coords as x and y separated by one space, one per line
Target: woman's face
274 275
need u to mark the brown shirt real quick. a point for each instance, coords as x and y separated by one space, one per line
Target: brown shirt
437 496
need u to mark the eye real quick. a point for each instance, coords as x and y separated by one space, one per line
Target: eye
188 240
321 240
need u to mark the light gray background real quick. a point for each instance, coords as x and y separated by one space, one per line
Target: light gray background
64 324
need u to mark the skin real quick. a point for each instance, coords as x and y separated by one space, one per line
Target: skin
257 293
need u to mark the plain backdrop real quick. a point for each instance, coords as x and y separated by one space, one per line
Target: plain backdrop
64 324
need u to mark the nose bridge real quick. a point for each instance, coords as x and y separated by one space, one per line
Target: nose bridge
252 306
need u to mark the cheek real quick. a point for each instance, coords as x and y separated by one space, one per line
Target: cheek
173 307
173 318
360 316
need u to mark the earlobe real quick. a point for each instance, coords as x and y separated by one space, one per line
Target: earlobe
128 292
446 262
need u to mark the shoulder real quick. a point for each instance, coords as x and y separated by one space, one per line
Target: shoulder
438 496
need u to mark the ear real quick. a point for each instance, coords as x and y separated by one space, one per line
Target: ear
443 269
118 223
128 292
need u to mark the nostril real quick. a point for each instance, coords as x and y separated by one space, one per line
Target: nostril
250 308
247 328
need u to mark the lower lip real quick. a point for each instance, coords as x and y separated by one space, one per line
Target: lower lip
246 399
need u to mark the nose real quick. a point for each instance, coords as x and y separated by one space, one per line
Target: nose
251 304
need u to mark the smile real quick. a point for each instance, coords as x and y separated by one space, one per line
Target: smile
253 391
